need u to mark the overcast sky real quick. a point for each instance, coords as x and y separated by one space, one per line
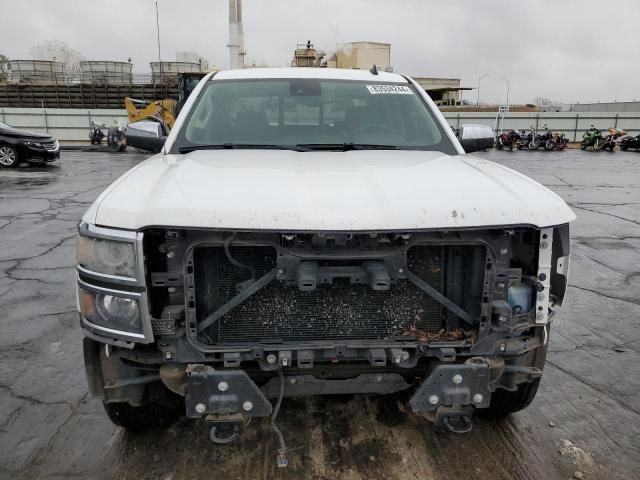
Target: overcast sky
566 50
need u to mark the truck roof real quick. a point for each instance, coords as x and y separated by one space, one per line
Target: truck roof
307 72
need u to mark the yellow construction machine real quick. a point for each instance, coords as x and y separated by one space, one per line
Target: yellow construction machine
150 120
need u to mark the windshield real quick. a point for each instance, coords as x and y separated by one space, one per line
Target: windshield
311 113
4 125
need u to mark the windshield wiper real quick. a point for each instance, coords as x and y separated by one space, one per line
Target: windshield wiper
344 147
231 146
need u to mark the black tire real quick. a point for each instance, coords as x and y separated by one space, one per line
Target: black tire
504 402
9 157
624 147
550 145
148 416
499 145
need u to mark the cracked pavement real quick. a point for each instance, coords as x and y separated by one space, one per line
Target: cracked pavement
585 418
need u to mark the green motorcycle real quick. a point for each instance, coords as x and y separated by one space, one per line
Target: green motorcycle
592 138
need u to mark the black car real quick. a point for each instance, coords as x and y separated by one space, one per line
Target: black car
18 146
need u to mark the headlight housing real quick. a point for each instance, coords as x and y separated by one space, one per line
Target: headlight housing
108 257
117 313
112 297
29 143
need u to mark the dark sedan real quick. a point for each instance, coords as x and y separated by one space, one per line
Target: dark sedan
17 146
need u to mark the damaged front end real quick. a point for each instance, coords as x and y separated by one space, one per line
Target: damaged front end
235 318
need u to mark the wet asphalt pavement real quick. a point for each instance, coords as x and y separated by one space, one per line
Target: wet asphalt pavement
585 420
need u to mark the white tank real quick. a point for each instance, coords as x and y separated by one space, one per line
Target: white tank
106 72
36 71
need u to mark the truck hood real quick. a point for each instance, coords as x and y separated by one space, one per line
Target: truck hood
360 190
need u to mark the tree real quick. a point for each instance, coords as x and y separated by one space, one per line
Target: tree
4 68
58 51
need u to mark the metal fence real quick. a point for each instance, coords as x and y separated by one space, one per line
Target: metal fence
572 124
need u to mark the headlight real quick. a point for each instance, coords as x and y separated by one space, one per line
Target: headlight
109 257
110 311
32 144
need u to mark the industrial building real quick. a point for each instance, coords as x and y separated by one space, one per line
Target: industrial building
362 55
443 91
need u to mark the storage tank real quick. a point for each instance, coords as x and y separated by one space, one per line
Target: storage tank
103 72
170 70
36 71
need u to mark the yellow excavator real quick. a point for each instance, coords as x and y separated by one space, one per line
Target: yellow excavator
153 119
163 110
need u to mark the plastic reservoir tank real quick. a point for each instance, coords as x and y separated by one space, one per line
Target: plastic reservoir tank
520 297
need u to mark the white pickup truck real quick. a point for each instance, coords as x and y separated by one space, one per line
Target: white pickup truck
317 231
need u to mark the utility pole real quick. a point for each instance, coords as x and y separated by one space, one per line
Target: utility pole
480 78
159 56
508 87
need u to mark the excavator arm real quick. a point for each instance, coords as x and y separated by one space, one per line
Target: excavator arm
163 110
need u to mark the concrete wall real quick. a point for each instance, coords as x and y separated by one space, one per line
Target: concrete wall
572 124
68 125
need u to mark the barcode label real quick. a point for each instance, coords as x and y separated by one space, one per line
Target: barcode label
389 90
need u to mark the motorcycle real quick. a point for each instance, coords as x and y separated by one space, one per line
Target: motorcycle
95 133
628 142
561 140
508 140
525 138
592 138
544 139
117 137
611 139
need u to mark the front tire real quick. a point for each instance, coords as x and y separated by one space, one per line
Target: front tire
8 157
550 145
504 402
145 417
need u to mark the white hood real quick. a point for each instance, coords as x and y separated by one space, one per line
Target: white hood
333 191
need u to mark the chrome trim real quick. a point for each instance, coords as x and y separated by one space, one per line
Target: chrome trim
108 233
119 333
119 293
107 277
128 236
143 304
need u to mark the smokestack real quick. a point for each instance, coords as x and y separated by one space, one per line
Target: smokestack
236 36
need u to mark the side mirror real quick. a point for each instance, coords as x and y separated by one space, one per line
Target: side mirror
475 137
147 134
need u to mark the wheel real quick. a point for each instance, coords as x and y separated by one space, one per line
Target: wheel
598 144
583 146
624 147
499 144
145 417
8 156
534 145
550 145
504 402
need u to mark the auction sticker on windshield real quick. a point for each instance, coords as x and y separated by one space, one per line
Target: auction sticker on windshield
389 89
